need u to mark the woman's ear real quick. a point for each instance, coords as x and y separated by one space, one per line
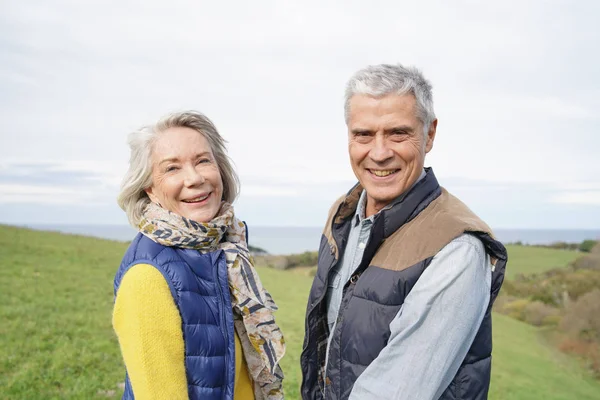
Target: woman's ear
150 192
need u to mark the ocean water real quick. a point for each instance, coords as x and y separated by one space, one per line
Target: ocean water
288 240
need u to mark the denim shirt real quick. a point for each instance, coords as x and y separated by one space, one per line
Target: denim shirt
425 348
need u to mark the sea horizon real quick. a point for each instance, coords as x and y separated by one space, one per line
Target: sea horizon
298 239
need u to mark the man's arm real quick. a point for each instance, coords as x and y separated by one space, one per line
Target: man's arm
436 325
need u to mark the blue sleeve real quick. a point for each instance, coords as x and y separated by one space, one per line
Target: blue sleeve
435 327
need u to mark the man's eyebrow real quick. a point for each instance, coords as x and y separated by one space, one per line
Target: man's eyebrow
399 129
357 131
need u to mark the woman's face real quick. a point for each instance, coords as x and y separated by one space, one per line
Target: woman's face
185 175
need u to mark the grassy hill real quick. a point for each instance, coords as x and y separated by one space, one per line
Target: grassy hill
531 260
57 341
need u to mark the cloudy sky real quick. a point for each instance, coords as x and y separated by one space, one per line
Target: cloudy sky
516 89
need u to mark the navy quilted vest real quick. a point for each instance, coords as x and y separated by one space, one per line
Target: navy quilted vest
373 297
200 288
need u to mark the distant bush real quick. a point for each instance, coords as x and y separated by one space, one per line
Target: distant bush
271 261
581 322
562 246
501 301
588 261
587 245
588 351
538 314
582 317
257 250
514 308
555 287
306 259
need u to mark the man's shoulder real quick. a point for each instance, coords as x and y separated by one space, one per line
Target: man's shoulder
445 220
336 205
467 242
450 210
346 204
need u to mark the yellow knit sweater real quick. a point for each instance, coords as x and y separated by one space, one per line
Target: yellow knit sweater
148 326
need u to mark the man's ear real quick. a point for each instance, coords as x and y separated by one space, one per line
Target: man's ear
430 136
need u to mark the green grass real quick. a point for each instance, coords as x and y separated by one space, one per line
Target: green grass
531 260
525 368
56 298
57 340
290 291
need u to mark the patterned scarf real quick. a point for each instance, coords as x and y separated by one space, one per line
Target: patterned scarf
253 306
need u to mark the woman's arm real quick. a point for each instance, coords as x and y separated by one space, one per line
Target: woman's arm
148 326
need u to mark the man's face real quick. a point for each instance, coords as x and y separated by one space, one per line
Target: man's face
387 146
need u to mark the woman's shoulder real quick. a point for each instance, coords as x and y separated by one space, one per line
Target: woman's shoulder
143 274
142 248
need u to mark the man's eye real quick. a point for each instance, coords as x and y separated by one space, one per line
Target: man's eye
399 135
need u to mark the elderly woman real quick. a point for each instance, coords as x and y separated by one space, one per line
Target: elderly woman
192 317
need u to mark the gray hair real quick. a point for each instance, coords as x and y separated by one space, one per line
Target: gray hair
381 80
133 198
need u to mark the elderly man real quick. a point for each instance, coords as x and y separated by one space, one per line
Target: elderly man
400 307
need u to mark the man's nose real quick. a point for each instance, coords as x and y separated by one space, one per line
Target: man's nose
380 151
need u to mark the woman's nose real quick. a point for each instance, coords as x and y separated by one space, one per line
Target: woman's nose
193 177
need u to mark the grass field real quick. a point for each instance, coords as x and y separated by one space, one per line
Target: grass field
57 341
531 260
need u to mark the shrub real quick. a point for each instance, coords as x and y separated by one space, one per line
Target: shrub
257 250
582 317
277 262
306 259
588 351
561 246
516 308
587 245
555 287
501 301
589 261
538 314
552 320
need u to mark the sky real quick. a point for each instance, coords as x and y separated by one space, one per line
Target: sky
516 92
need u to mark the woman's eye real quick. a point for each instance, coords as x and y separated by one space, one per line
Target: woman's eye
170 168
203 160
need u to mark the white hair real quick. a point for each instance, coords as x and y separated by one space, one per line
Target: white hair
133 198
381 80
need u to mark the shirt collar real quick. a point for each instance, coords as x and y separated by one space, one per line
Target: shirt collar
360 213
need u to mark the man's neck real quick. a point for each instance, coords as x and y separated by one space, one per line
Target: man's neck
362 209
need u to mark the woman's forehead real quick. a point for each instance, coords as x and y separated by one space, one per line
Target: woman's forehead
181 142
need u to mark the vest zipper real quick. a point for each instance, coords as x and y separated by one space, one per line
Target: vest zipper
224 324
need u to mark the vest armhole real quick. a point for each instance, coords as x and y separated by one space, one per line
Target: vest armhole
161 270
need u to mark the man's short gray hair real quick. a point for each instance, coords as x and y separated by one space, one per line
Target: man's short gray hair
381 80
133 198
